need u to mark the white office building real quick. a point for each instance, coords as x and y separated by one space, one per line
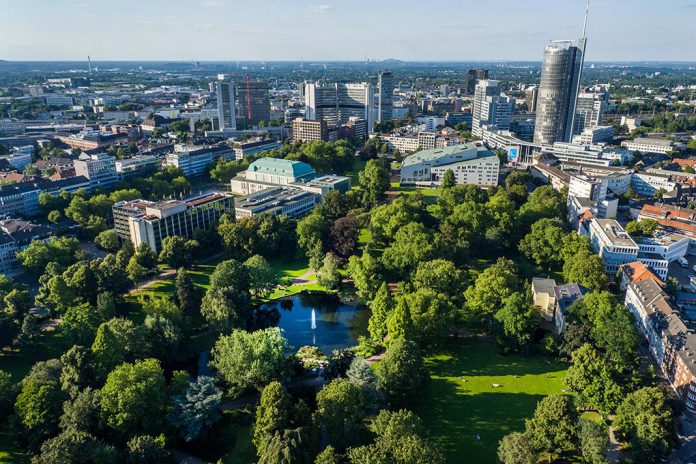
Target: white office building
100 169
469 163
492 110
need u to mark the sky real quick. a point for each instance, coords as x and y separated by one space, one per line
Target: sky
328 30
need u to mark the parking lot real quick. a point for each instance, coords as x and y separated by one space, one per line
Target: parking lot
682 274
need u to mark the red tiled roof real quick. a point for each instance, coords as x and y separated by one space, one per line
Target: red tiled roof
637 272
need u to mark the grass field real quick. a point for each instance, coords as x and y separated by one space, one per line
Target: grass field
462 403
243 451
430 194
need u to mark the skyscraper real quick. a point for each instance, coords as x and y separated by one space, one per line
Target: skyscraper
254 102
558 91
589 111
386 96
472 76
226 105
491 109
337 103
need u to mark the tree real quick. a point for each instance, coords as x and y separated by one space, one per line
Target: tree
38 254
77 370
227 302
400 323
364 271
594 442
646 423
329 276
108 350
515 448
586 269
519 320
262 277
412 245
448 180
8 392
491 288
362 375
402 376
80 324
382 307
543 202
340 413
592 377
83 412
107 240
344 237
162 337
17 302
440 276
76 448
148 449
134 398
541 244
38 409
553 426
374 180
136 271
275 413
177 251
328 456
286 447
311 229
187 296
197 409
250 360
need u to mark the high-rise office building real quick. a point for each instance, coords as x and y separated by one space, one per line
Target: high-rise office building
530 98
226 104
589 111
337 103
491 109
472 76
386 96
254 103
561 72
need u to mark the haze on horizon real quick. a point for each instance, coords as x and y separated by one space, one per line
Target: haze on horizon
341 30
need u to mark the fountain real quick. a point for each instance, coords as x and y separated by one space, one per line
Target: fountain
314 319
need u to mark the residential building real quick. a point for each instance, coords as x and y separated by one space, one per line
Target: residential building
544 296
648 145
385 84
99 168
286 200
267 173
636 272
560 79
306 130
256 147
554 300
646 184
469 163
226 105
142 221
254 103
427 140
16 235
671 342
137 166
491 109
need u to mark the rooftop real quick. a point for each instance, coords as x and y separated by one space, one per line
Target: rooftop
281 167
464 151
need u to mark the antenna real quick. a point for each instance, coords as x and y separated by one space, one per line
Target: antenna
587 12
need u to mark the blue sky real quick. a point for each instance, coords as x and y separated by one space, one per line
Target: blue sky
341 29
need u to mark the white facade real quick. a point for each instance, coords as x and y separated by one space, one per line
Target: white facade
646 184
469 165
491 109
100 169
611 242
647 145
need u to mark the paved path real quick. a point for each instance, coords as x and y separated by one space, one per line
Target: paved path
304 279
686 453
166 275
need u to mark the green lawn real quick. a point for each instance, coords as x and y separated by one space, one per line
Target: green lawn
243 451
50 344
462 403
9 452
430 194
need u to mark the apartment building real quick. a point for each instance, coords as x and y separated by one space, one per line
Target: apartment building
16 235
99 169
305 130
142 221
554 300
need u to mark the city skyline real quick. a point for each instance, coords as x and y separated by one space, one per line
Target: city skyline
221 30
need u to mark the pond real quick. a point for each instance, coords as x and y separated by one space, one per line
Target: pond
338 325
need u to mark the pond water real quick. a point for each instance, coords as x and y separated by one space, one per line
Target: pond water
338 325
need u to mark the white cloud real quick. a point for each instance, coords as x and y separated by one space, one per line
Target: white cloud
325 8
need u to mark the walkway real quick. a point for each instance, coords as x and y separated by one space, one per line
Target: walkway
166 275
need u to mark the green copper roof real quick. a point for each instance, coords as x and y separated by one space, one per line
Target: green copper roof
436 153
281 167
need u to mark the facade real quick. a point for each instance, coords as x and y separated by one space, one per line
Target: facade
268 173
91 139
19 157
288 201
673 219
254 103
554 300
137 166
472 75
385 83
648 145
193 161
613 245
589 112
337 103
560 77
100 169
646 184
670 341
587 193
596 135
151 222
470 165
254 148
305 130
20 199
226 105
491 109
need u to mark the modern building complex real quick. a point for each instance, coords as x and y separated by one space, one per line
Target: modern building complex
492 110
560 79
305 130
256 147
142 221
100 169
254 103
337 103
648 145
288 201
385 84
137 166
226 104
469 163
193 161
268 173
